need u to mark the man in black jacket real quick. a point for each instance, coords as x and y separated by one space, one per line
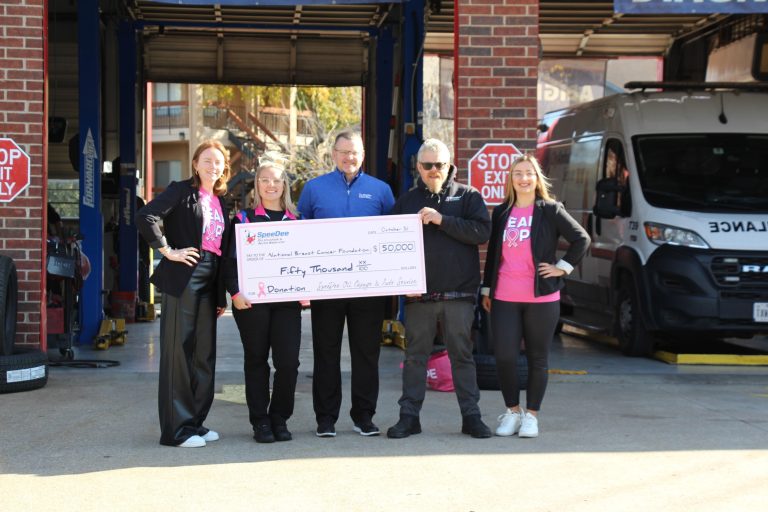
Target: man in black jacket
455 222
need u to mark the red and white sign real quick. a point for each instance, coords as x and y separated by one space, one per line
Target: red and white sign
489 168
14 170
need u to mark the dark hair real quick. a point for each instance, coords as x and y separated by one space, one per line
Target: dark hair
220 187
349 135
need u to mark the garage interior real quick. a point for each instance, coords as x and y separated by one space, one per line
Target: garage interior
375 45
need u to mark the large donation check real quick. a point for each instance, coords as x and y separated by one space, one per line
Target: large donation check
330 258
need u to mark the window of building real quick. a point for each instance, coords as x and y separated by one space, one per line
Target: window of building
169 109
167 92
166 171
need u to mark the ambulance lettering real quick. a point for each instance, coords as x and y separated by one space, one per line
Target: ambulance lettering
738 226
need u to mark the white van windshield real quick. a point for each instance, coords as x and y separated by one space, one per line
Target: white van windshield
704 172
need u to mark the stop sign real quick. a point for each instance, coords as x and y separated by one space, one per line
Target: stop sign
489 168
14 170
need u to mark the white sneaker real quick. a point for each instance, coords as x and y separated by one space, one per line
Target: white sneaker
211 435
529 426
509 423
193 442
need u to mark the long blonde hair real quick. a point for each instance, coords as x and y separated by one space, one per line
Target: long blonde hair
286 203
543 185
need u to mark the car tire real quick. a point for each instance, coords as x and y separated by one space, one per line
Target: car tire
634 339
487 376
25 370
9 291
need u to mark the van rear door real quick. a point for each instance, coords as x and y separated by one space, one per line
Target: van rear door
577 193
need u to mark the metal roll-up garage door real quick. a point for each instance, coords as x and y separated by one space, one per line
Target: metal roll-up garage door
256 60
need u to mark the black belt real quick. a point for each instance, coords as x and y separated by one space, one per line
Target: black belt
438 296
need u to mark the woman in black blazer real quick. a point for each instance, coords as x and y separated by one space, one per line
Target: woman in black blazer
195 222
522 282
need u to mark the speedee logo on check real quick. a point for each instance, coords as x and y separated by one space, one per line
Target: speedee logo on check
265 237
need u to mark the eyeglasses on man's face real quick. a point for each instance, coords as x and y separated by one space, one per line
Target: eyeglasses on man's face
437 165
270 181
353 154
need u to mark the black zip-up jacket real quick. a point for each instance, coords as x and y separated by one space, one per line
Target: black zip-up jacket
451 250
550 222
178 206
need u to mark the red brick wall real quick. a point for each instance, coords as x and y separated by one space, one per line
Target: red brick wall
22 119
497 70
496 73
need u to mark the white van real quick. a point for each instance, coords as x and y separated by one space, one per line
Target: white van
673 188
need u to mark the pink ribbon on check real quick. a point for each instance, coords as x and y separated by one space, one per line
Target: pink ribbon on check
262 293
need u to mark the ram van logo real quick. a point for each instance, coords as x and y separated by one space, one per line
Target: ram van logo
754 268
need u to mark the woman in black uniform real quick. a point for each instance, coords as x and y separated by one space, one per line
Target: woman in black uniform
275 326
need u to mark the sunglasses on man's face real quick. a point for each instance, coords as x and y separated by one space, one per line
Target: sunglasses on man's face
437 165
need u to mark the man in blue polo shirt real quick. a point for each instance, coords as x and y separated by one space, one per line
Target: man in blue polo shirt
346 192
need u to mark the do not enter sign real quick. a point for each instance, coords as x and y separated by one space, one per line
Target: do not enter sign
14 170
489 168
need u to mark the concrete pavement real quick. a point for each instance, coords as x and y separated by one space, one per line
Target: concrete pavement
630 434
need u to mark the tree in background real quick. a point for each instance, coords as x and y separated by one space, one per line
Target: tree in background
332 109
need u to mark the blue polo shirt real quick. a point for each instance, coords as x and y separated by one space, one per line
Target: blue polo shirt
330 196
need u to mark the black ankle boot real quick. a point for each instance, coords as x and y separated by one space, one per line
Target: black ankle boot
281 432
473 425
405 427
263 434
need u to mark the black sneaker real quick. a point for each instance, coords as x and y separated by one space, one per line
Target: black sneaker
408 425
473 425
366 428
281 432
263 434
325 429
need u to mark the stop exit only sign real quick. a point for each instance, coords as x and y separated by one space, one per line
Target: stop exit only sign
489 168
14 170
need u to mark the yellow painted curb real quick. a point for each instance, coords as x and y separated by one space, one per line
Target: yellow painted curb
712 359
567 372
591 335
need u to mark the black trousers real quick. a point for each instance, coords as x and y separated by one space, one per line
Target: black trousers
188 356
421 320
275 326
364 317
510 323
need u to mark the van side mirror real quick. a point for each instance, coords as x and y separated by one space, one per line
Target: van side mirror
606 200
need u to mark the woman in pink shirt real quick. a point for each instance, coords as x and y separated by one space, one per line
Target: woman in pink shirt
194 220
522 282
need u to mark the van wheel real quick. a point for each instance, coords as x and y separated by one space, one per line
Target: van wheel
9 289
634 339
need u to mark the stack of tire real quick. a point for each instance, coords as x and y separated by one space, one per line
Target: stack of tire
485 360
21 369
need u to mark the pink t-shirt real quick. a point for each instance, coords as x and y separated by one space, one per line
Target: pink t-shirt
213 222
516 270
